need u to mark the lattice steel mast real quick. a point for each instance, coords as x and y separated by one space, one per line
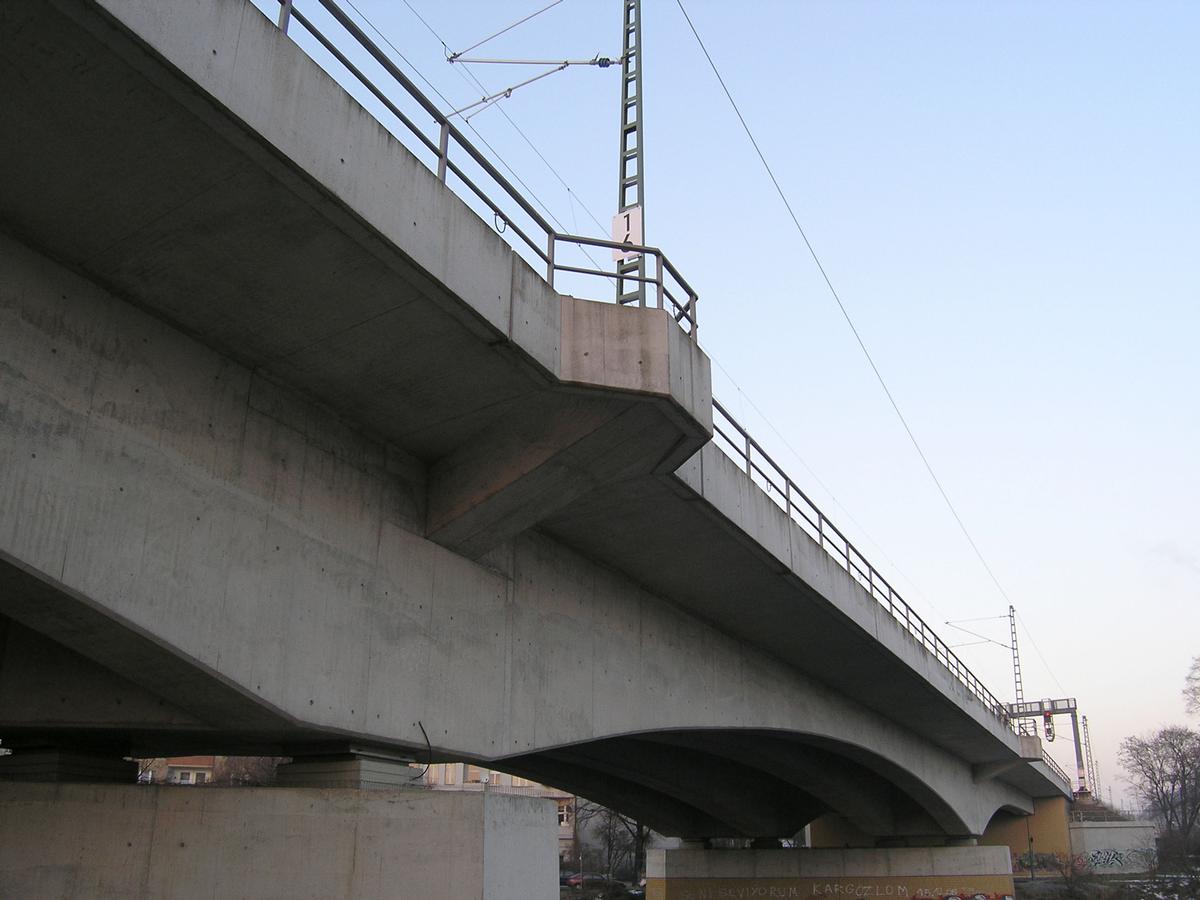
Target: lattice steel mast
1091 760
1025 725
630 180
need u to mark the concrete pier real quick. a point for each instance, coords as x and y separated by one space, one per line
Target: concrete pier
925 872
128 842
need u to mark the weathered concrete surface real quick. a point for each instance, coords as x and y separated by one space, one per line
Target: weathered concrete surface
93 842
250 201
250 365
1112 848
165 506
739 562
893 872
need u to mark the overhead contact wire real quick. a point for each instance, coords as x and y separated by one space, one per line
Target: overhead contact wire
476 46
841 306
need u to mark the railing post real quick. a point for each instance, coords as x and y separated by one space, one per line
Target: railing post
692 317
659 280
550 240
746 435
285 15
443 150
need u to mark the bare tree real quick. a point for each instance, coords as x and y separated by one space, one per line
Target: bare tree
1191 688
246 770
1164 769
622 840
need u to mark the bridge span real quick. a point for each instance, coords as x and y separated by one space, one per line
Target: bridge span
299 456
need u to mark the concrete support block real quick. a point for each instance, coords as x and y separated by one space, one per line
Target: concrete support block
55 764
537 461
638 350
360 769
178 843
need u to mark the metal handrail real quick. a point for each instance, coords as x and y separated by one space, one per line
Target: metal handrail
1055 767
676 295
738 444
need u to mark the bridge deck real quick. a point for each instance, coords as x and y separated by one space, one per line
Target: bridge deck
208 172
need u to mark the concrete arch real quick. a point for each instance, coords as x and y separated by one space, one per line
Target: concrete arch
869 799
771 783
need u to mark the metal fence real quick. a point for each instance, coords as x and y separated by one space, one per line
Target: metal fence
1055 767
743 449
453 153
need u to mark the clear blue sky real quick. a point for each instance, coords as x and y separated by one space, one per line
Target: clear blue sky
1006 196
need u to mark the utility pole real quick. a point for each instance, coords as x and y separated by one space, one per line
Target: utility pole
629 224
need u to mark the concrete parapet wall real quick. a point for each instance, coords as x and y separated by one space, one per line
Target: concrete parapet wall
133 841
688 874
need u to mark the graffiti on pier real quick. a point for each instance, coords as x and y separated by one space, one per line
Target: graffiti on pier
1107 859
1111 858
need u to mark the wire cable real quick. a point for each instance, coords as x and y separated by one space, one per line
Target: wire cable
454 56
450 105
845 313
1038 650
428 27
466 72
983 638
817 478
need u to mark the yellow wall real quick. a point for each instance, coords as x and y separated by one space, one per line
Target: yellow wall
833 830
1045 833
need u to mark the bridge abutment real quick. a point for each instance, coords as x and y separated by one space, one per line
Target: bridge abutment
142 841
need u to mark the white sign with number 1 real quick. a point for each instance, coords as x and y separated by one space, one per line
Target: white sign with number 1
627 229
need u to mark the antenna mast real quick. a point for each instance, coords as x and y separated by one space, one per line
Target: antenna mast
628 226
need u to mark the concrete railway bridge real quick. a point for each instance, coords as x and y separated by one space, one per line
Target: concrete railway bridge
298 455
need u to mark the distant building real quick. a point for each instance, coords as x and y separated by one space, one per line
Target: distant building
179 770
466 777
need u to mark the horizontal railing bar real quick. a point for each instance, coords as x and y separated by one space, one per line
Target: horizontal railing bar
451 138
608 244
366 82
840 548
392 69
624 276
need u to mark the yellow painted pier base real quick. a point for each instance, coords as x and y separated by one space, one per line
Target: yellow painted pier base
910 872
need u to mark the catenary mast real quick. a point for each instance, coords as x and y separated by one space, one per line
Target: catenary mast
629 223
